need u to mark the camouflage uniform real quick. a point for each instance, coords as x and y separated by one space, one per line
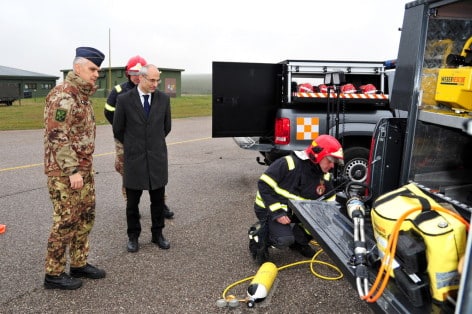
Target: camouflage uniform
119 159
69 142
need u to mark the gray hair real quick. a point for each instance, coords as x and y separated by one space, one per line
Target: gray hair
79 60
144 69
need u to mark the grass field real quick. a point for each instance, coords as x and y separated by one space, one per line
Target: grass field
28 113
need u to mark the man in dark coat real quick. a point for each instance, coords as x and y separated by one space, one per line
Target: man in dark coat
142 121
132 73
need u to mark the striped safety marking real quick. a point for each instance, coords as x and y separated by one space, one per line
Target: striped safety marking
346 96
308 128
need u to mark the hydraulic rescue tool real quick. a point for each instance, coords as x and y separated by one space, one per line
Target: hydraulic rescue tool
356 210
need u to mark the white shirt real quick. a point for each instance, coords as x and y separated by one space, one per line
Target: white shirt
141 94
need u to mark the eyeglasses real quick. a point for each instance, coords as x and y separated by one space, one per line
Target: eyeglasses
152 81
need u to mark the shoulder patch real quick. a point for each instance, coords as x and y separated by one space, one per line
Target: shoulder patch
60 115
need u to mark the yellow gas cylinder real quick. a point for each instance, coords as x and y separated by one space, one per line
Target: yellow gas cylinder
261 283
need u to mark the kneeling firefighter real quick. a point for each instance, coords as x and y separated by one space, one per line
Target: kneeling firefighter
302 175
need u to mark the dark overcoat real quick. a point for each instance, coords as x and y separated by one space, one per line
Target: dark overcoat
144 139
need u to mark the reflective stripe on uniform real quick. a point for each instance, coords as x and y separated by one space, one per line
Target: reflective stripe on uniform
109 107
305 229
273 207
282 192
276 206
259 200
331 198
290 162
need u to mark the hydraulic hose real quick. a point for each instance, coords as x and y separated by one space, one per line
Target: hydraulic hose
356 209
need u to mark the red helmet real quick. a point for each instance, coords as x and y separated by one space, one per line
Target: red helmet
322 146
368 89
348 89
305 88
134 65
323 88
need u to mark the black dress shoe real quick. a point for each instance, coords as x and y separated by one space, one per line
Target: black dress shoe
133 245
167 213
87 271
161 242
62 281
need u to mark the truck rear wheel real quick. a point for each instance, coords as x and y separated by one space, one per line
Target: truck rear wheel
270 157
355 163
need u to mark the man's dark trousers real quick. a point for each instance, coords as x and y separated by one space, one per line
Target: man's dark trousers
157 211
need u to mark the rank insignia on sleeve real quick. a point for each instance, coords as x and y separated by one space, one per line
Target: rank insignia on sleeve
61 115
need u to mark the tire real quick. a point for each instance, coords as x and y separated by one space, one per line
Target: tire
270 157
355 164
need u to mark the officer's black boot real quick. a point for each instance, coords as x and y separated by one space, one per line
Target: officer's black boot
87 271
62 281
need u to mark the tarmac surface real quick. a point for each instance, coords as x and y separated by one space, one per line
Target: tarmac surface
211 189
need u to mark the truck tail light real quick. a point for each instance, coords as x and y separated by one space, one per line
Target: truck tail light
282 131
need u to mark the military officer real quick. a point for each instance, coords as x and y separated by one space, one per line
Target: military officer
69 142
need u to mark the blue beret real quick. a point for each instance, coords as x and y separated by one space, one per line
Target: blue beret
91 54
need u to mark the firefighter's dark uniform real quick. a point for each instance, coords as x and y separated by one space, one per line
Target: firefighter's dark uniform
287 178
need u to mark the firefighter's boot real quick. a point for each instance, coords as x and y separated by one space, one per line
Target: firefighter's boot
257 244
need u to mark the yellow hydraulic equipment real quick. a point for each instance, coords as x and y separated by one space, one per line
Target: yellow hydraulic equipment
438 49
454 85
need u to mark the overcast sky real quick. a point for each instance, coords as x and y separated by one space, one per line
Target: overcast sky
41 36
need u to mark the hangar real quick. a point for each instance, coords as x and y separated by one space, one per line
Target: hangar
171 80
29 84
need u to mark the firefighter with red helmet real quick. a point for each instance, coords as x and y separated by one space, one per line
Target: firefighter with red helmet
302 175
132 71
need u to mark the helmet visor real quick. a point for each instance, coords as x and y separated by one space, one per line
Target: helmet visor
133 73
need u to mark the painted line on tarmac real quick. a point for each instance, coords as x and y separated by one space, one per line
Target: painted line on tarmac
100 155
188 141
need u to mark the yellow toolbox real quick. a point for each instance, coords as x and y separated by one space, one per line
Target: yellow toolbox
454 84
454 87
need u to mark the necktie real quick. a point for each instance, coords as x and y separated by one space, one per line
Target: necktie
147 107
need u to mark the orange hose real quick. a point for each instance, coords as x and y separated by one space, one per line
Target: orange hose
383 274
